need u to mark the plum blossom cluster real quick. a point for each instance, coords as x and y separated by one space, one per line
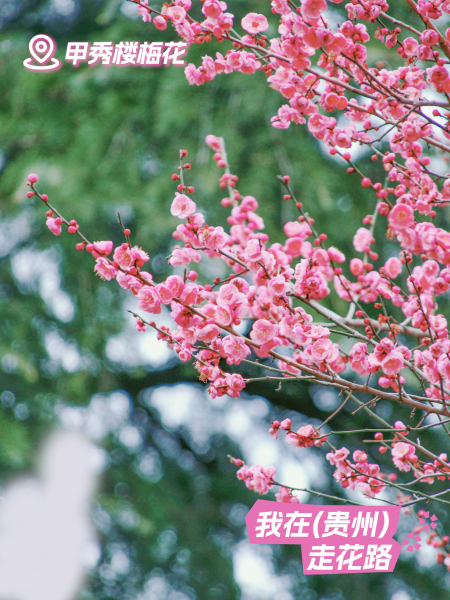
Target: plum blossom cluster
399 338
260 480
305 437
256 478
360 474
271 286
405 459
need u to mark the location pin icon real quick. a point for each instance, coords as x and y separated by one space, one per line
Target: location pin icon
42 47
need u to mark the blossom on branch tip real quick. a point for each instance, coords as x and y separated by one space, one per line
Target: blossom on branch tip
213 142
257 478
274 429
182 206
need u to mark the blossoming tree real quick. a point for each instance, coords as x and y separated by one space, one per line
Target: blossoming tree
400 345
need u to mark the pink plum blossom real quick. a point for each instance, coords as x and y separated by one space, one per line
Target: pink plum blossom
176 14
263 331
284 495
149 300
104 269
102 248
312 9
140 325
403 455
401 217
235 349
393 267
363 238
393 363
254 23
213 237
182 206
54 225
257 478
124 256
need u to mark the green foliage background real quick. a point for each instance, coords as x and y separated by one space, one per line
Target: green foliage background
105 140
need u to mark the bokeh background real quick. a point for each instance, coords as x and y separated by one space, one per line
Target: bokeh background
166 519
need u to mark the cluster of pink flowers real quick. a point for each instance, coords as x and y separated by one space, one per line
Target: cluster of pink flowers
322 73
256 478
360 474
260 480
387 357
404 458
305 437
261 288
